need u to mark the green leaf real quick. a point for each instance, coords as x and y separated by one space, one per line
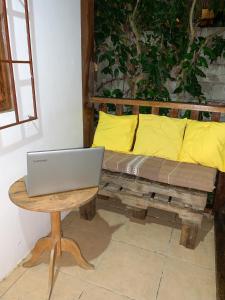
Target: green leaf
123 69
178 90
117 93
199 72
107 70
116 73
107 93
202 62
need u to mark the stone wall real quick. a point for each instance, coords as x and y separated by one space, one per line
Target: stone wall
213 86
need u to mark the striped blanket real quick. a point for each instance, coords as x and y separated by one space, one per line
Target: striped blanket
161 170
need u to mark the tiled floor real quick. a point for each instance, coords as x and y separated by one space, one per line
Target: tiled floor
133 260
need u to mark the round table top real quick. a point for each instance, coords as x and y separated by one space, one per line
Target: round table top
50 203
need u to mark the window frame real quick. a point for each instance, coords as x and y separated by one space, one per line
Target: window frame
11 62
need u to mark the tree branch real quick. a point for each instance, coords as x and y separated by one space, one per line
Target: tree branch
108 82
191 25
134 28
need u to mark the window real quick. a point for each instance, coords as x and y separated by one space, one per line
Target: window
17 92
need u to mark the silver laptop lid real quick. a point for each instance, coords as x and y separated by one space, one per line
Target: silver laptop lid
63 170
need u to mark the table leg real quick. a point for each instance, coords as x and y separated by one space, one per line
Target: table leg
52 268
56 232
41 246
56 244
72 247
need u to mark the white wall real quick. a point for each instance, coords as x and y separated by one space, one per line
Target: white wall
55 29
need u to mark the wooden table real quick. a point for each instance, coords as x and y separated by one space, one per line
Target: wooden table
53 204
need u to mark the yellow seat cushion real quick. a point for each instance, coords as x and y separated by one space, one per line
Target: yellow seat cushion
204 143
115 133
159 136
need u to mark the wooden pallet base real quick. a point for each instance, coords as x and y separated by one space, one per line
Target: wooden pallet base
140 194
88 211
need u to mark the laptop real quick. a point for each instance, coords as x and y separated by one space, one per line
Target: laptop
63 170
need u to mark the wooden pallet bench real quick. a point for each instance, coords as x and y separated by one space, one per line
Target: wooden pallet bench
139 193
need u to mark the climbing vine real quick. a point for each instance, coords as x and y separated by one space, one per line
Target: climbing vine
142 45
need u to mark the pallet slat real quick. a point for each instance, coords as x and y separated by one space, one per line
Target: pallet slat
216 117
103 107
174 113
155 110
135 110
194 115
119 109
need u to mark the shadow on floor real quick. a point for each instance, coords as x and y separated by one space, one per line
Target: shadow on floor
93 237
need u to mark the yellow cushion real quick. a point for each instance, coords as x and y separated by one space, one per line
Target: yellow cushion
204 143
159 136
115 133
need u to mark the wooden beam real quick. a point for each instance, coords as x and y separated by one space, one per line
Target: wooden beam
220 257
87 38
158 104
219 200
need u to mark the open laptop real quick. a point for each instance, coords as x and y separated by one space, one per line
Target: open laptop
63 170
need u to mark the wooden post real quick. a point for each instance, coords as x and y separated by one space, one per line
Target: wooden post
220 257
188 235
87 38
189 230
88 211
139 213
219 200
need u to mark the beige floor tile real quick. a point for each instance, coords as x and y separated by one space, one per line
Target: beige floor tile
34 285
113 218
105 222
70 218
93 236
6 283
151 235
98 293
203 255
187 282
129 271
127 265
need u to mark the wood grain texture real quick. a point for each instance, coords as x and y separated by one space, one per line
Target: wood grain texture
135 110
54 204
88 211
158 104
87 42
220 192
140 194
174 113
189 234
188 197
5 78
69 245
216 117
50 203
194 115
103 107
119 110
219 221
155 110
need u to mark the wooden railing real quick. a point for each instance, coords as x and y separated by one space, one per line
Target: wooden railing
174 107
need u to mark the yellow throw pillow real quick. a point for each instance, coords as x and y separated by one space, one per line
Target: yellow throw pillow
204 143
159 136
115 133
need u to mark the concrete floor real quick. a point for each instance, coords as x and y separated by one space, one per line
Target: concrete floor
133 260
